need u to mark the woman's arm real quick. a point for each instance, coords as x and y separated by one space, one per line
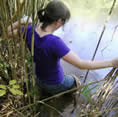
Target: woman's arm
13 29
73 59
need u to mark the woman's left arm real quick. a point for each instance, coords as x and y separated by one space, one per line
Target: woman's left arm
75 60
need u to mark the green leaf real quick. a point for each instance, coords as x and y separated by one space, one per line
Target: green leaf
1 65
1 39
19 92
29 59
84 89
12 82
2 93
89 90
15 91
16 86
88 98
3 87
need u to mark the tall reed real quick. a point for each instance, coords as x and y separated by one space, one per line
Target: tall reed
14 55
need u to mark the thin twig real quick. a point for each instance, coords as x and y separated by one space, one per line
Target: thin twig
47 105
18 112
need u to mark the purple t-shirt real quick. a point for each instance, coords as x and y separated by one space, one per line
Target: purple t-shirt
48 51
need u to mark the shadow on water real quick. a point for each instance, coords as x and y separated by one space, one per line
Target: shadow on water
63 104
67 105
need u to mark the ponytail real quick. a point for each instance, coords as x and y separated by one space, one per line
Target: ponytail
52 12
41 14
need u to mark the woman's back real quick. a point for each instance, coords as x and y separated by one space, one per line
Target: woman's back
47 53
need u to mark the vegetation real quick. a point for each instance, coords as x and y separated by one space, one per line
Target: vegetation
91 9
19 95
15 59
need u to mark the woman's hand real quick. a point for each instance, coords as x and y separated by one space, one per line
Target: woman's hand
25 20
13 29
115 62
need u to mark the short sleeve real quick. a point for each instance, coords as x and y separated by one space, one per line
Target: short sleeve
26 30
60 49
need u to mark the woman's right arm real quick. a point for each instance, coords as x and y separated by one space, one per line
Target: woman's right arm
13 29
75 60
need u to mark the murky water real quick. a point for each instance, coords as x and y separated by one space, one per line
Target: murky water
82 35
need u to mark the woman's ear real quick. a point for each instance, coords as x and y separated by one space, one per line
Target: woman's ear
59 22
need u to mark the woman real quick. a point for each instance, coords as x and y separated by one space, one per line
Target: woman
49 49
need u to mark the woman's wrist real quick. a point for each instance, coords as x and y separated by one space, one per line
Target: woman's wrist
114 62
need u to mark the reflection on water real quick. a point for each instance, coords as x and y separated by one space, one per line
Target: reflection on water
90 9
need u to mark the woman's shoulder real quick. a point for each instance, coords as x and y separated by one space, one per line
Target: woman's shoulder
27 28
56 40
54 37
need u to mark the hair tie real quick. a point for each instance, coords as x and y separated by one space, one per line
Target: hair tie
43 12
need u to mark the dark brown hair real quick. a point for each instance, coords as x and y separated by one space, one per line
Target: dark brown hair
52 12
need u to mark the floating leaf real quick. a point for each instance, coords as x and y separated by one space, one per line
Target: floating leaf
16 86
3 87
2 92
12 82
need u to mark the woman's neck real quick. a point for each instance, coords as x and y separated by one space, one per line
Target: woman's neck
49 29
42 32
